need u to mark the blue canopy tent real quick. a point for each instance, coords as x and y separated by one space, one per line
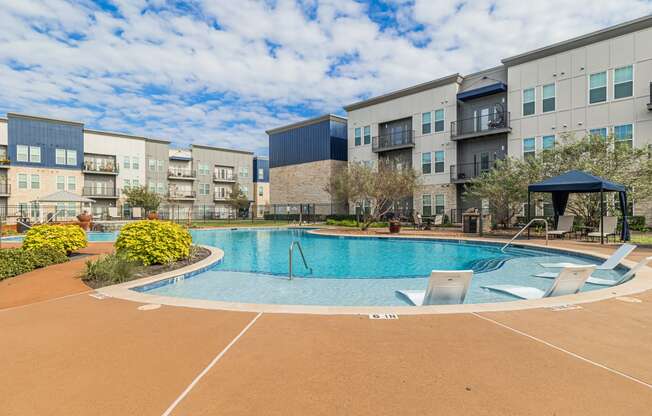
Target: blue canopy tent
576 181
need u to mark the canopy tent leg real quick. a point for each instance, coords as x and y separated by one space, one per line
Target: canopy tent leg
527 214
601 216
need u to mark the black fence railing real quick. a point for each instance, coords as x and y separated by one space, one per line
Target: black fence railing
181 194
467 171
482 124
394 140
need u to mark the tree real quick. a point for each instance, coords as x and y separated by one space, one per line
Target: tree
140 196
238 200
379 188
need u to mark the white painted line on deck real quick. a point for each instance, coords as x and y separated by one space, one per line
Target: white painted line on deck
209 366
572 354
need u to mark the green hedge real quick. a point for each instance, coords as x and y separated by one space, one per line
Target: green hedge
15 261
63 238
154 242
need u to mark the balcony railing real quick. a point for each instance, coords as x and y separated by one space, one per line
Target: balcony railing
497 122
5 188
181 194
4 161
218 197
108 167
392 141
467 171
180 173
218 177
102 192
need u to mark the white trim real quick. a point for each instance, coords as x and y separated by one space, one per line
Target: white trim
606 87
523 145
523 101
613 84
554 97
434 120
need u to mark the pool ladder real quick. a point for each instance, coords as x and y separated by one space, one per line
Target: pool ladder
525 228
305 263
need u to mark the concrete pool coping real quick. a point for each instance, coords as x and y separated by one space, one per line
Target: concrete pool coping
640 283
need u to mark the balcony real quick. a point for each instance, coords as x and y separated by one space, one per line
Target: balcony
5 189
229 178
95 167
466 171
181 195
483 125
182 174
221 198
101 192
393 141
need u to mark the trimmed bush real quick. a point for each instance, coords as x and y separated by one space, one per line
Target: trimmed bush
63 238
110 269
15 261
154 242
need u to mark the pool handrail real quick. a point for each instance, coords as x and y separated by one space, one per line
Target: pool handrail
305 263
525 228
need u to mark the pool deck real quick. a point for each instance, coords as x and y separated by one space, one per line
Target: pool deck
66 352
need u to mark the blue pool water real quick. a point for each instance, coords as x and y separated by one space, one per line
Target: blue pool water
351 271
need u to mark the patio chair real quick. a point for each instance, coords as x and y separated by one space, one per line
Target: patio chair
568 282
445 287
606 282
137 213
564 226
610 224
418 222
113 213
439 219
609 264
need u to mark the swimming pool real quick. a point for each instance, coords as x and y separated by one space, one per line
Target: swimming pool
353 271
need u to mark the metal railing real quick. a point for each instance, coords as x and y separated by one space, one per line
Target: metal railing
225 178
393 140
480 125
523 229
108 167
181 173
92 191
181 194
467 171
305 263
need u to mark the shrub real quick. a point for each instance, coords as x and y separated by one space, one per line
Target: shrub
154 242
15 261
637 223
65 238
110 269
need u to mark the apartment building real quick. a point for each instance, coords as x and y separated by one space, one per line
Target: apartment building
303 157
40 156
261 186
454 128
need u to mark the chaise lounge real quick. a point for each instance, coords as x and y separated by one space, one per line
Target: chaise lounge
445 287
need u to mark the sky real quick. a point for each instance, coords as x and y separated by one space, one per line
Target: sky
221 72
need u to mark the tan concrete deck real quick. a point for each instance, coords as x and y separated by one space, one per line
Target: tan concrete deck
79 355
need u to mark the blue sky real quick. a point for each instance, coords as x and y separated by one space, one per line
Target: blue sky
221 72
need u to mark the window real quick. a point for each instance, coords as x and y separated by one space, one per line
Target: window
35 154
159 188
126 163
425 123
22 208
71 209
426 163
261 174
548 142
244 171
528 101
22 153
203 169
623 82
439 161
135 163
152 164
528 147
71 157
22 181
261 191
135 182
127 183
204 189
427 205
598 88
36 182
61 183
159 166
623 135
484 162
72 183
245 190
439 204
60 156
439 120
367 134
152 187
548 103
600 132
358 136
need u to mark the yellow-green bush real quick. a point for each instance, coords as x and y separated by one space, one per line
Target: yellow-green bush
65 238
154 242
15 261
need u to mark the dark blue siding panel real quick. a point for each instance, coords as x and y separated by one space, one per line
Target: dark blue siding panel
338 129
339 149
48 135
264 165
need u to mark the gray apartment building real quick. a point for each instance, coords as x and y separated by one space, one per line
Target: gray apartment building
454 128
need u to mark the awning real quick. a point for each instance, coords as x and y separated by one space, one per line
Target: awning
64 196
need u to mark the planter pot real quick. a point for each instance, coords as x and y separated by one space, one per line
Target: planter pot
85 221
152 216
394 227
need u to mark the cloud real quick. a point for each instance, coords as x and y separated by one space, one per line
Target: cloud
222 72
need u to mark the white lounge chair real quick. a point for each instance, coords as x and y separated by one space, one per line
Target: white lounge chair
439 219
445 287
113 213
137 213
609 228
564 225
609 264
606 282
569 281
